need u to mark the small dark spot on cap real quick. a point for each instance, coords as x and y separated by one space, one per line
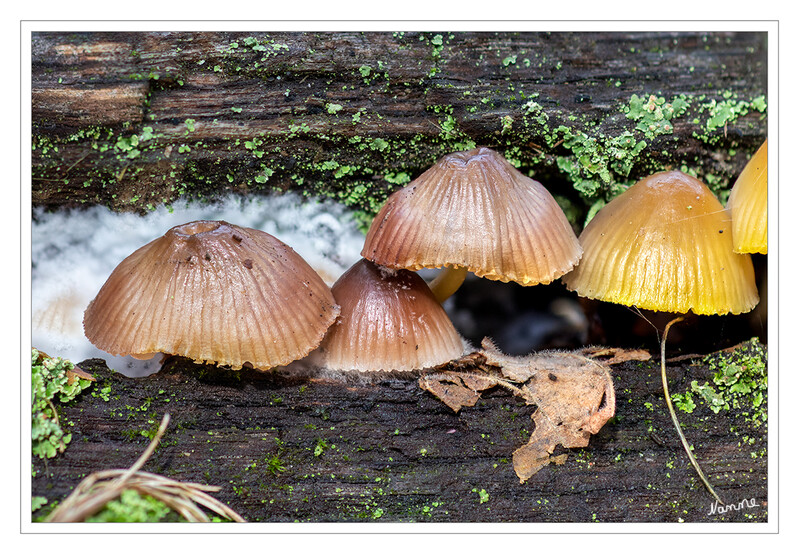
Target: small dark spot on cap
721 231
553 377
237 238
247 263
188 259
208 256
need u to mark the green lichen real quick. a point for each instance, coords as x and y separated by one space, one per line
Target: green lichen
51 385
333 109
598 164
131 507
654 116
37 502
482 495
740 383
715 115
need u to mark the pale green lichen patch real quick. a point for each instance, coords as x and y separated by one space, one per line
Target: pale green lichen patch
654 115
715 115
52 383
740 384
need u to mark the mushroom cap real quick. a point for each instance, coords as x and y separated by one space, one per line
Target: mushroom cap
748 204
389 321
213 292
665 244
475 210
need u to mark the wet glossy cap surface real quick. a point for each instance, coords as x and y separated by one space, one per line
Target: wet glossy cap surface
665 244
214 292
389 321
474 209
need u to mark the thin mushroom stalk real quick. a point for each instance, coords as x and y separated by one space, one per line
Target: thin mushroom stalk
447 282
673 414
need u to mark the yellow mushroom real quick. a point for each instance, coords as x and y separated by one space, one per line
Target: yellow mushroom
748 204
665 244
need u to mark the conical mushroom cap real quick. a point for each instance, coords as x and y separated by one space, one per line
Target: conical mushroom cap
475 210
214 292
389 321
665 244
748 204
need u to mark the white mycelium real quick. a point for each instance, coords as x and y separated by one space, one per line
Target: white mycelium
74 252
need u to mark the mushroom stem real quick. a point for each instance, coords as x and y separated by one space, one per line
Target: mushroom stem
447 282
685 444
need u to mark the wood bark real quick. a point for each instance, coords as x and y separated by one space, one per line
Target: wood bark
133 120
312 448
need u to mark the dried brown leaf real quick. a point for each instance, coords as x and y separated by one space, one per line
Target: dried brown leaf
611 356
77 372
574 396
559 460
450 388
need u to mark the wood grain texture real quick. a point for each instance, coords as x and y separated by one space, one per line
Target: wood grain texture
343 114
388 451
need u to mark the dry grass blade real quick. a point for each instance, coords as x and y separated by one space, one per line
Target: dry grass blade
99 488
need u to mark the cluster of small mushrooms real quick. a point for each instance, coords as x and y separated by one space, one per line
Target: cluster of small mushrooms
215 292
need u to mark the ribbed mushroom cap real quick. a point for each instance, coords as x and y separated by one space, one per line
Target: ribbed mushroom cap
748 204
665 244
475 210
389 321
213 292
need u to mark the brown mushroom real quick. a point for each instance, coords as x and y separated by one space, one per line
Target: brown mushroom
389 320
474 211
748 205
212 292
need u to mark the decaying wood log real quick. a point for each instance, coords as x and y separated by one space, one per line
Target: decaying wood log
311 448
133 120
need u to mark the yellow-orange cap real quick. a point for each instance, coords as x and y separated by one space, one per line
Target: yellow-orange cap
665 244
748 204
